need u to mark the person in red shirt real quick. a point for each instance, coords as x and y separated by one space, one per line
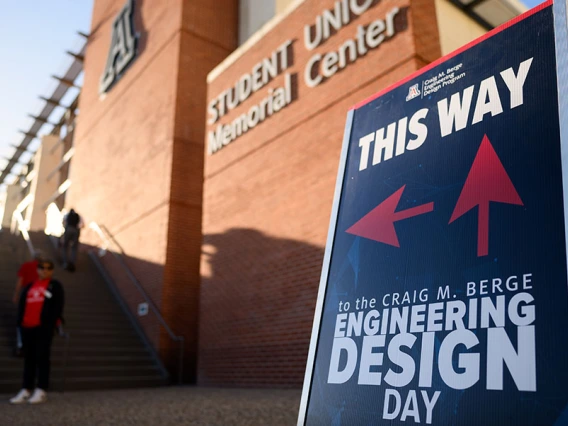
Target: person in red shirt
26 274
40 312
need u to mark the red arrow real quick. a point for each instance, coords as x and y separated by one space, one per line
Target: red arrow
487 181
378 224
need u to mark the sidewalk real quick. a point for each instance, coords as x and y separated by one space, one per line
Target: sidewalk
159 407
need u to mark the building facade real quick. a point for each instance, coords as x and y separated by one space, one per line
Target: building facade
207 147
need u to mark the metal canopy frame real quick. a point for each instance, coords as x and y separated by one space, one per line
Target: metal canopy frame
53 101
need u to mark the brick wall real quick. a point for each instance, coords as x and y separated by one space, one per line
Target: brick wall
138 163
207 36
268 195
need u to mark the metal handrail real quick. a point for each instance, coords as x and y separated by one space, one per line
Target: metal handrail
61 189
107 237
24 231
64 160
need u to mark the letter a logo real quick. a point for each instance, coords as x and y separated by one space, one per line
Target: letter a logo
413 92
122 47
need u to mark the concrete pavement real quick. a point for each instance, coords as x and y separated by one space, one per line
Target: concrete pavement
159 407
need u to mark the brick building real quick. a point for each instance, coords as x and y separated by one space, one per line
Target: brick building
207 146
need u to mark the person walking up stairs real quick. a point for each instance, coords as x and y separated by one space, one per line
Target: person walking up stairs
72 223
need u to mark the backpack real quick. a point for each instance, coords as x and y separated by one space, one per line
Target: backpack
72 219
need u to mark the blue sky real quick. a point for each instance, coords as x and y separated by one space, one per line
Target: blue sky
532 3
34 35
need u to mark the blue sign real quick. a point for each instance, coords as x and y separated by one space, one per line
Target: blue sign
444 296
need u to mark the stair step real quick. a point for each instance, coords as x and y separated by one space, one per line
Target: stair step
71 302
101 351
86 308
84 361
91 383
96 335
81 343
8 325
103 371
98 316
95 331
79 338
58 350
86 326
153 378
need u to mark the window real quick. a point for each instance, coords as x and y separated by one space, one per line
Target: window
253 14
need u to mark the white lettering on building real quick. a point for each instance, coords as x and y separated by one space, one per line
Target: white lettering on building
276 100
333 20
261 74
320 67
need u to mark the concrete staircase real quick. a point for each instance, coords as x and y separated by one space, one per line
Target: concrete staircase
104 352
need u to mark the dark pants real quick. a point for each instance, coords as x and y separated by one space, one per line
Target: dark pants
37 353
70 238
19 343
